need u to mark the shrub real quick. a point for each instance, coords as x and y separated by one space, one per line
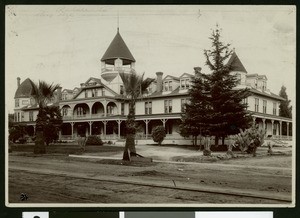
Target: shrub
250 139
94 140
158 134
22 140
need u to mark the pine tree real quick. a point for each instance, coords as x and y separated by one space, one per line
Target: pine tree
197 112
229 113
285 110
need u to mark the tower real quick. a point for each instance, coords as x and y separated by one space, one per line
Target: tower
116 59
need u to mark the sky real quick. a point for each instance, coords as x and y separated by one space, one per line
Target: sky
64 44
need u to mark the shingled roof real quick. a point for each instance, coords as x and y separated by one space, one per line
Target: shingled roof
118 49
236 64
25 89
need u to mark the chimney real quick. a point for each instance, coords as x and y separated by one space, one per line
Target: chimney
59 93
19 81
159 81
197 71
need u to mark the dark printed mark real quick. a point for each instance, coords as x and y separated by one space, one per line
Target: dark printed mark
23 197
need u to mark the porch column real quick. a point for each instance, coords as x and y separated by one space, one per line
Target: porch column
254 118
164 122
104 131
287 129
119 128
264 124
280 129
33 129
72 129
105 108
90 124
272 121
146 122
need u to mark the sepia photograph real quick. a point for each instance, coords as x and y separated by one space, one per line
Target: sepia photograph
150 105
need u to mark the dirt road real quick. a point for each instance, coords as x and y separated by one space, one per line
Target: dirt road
62 179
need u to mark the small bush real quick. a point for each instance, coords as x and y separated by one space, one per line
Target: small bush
22 140
158 134
94 140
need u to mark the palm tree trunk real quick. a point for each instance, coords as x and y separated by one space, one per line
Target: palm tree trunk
129 149
39 147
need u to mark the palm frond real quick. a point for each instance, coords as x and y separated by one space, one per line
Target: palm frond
43 92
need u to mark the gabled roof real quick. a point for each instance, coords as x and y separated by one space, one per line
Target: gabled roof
67 90
186 74
95 79
25 89
118 49
235 63
272 95
172 77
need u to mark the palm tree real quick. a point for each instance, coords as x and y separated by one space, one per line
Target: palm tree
43 93
135 86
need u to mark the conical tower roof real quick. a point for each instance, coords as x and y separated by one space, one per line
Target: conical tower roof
25 89
118 49
235 63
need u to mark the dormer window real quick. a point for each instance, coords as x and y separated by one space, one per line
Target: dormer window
264 85
185 84
168 86
121 89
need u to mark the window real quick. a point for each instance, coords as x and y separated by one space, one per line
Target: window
165 86
110 109
64 96
17 103
22 116
264 106
148 107
96 92
86 93
30 115
245 101
121 89
25 102
122 109
93 92
185 83
81 111
18 120
274 108
168 106
183 104
64 111
256 104
168 86
238 78
103 92
264 85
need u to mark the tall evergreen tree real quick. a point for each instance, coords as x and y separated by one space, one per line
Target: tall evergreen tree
285 110
229 113
198 111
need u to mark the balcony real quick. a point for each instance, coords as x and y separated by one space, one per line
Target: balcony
89 116
116 69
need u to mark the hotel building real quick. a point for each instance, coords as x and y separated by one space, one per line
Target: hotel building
99 107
